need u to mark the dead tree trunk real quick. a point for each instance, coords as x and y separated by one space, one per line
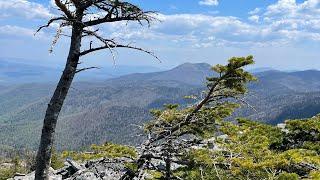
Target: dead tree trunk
55 105
76 14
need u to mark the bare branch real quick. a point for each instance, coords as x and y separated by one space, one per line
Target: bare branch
89 33
111 46
49 23
120 11
106 20
64 9
76 3
247 103
84 69
89 3
188 118
94 33
105 41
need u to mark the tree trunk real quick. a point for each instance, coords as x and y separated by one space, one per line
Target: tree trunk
168 168
43 159
168 159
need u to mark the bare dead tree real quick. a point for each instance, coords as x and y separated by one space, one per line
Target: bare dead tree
77 15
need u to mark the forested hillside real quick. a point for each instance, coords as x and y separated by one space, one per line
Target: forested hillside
96 112
278 96
189 142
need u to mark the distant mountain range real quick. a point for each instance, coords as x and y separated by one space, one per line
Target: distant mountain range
109 110
17 71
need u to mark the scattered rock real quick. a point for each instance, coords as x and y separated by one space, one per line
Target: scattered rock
74 165
101 169
282 126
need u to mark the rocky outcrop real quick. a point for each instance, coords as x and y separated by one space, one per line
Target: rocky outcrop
101 169
52 176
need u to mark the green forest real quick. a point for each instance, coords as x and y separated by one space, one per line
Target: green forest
197 142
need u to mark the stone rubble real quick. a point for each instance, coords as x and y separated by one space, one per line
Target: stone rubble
101 169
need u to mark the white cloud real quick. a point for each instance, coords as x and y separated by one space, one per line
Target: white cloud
209 2
255 11
199 25
283 22
23 8
293 24
254 18
282 7
294 21
189 29
15 31
12 31
292 9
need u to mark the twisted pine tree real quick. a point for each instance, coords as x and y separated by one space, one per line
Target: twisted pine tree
175 130
83 18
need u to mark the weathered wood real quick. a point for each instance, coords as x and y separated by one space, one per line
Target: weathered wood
55 105
74 11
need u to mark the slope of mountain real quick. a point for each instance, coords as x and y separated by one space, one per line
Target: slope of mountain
261 69
96 112
301 81
277 92
188 73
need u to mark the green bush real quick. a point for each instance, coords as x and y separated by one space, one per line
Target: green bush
288 176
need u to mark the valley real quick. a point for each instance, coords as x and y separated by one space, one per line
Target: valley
111 110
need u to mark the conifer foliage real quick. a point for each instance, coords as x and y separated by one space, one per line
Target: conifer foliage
196 142
174 131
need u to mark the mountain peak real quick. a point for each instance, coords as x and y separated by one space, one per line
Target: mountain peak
193 66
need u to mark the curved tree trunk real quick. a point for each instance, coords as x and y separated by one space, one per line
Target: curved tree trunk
54 107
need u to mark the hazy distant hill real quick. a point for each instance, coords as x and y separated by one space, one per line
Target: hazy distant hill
17 71
108 111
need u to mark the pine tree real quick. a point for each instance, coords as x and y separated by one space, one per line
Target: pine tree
175 130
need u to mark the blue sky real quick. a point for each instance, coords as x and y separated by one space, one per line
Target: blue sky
282 34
